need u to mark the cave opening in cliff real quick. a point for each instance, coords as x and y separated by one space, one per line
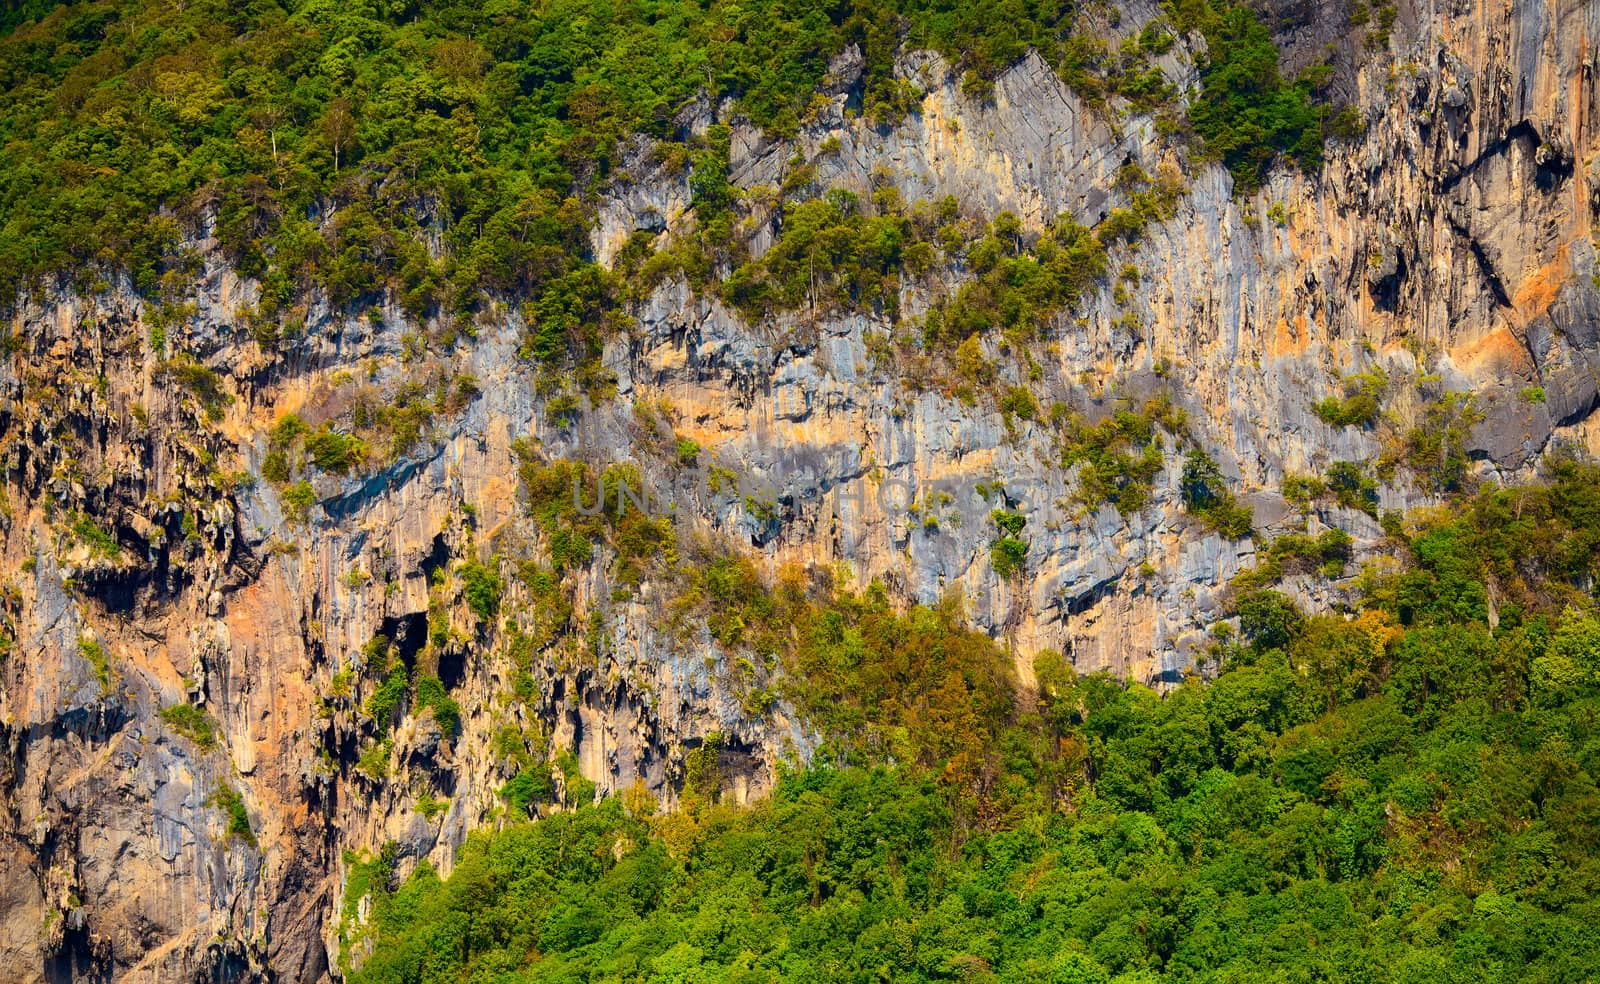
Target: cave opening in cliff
409 633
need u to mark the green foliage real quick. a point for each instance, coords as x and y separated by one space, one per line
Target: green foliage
283 441
1570 666
192 722
227 799
1360 404
1206 495
275 467
919 687
364 877
432 696
1411 788
333 451
1009 552
551 610
288 429
1009 523
430 808
95 653
375 653
297 501
1351 487
201 381
385 699
839 252
562 497
1018 403
576 790
702 772
828 253
1017 291
1530 543
527 787
1268 619
1247 114
1119 457
687 451
483 588
916 686
1327 553
1435 449
100 541
445 154
374 761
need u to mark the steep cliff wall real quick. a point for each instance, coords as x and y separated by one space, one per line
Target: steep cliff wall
150 564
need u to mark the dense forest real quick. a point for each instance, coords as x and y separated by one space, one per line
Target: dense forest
447 153
1403 792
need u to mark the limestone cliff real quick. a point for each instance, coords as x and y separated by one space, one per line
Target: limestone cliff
148 564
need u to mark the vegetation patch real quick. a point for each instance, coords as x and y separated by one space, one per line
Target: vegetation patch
1434 449
1248 115
1118 458
193 723
433 696
1009 552
95 653
1360 405
228 800
1335 763
483 588
1206 495
101 542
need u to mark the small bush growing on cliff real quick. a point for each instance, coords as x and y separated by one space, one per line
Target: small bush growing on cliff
383 700
1118 458
432 696
702 773
1352 488
429 808
1298 553
230 802
483 588
688 451
191 722
1009 552
335 452
1360 405
202 381
374 762
100 541
95 653
529 786
297 501
1007 555
1206 495
1018 403
1435 449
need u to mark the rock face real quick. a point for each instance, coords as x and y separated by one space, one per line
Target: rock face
148 565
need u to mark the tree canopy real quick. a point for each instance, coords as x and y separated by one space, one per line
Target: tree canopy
446 150
1405 792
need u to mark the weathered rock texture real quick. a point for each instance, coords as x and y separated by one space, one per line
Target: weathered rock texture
1454 239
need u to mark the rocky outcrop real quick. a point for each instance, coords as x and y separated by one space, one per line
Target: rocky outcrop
151 566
